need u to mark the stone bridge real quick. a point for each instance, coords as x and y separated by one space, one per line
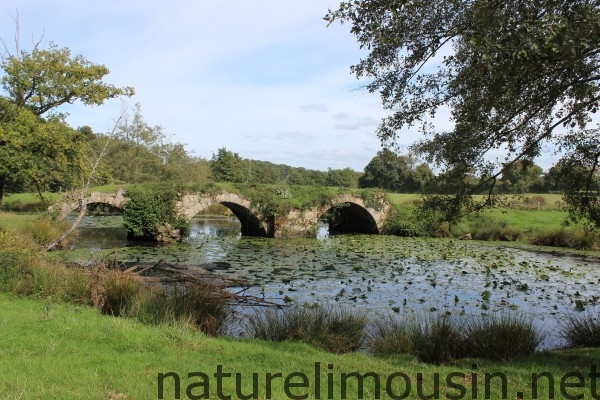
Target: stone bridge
345 213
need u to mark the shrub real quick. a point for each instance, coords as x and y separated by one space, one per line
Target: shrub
504 337
147 211
485 228
582 330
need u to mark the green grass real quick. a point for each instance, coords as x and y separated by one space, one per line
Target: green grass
10 220
63 351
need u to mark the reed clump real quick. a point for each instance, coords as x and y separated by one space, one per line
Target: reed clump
335 329
581 330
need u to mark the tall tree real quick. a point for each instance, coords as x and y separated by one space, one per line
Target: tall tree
521 177
227 166
43 79
35 153
388 170
510 72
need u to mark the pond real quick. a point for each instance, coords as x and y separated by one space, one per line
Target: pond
385 274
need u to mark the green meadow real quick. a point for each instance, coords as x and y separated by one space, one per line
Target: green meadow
51 350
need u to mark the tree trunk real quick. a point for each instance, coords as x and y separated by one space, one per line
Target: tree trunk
54 244
2 183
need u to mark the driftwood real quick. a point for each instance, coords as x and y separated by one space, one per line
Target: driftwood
166 274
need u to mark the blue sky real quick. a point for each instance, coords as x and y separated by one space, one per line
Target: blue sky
268 80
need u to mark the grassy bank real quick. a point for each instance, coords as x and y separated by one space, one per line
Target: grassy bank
60 351
535 219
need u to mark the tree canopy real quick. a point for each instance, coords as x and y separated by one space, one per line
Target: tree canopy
42 152
43 79
36 154
398 173
514 75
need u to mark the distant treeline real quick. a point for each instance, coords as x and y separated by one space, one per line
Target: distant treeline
138 153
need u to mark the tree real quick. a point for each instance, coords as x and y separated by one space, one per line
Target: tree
344 178
36 153
40 152
390 171
512 74
43 79
521 177
227 166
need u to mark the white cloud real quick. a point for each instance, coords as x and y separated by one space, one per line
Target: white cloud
261 78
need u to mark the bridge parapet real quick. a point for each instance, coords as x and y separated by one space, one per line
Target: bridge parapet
70 203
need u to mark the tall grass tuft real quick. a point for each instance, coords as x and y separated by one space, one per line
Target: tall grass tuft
335 329
551 237
498 337
580 239
205 306
44 230
581 330
390 336
435 339
485 228
116 293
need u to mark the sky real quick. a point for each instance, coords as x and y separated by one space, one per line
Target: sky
268 80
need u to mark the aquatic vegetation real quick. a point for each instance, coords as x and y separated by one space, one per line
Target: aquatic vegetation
383 274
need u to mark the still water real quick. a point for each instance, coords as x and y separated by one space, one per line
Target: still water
384 274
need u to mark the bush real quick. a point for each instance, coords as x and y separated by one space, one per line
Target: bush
503 337
581 239
146 212
485 228
339 330
582 330
400 225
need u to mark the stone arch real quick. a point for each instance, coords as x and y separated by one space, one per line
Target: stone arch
352 214
70 203
252 225
349 217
